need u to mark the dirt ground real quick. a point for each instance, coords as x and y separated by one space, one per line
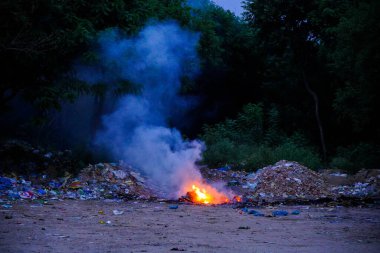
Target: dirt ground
91 226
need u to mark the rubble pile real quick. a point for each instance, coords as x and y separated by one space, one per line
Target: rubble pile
100 181
281 182
290 181
365 183
107 180
286 181
233 179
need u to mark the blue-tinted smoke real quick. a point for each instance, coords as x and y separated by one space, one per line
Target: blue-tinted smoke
137 131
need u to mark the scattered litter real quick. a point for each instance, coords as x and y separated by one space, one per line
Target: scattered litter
26 195
100 181
280 213
75 185
40 205
337 174
117 212
255 213
6 183
176 249
119 174
113 182
368 185
41 192
225 168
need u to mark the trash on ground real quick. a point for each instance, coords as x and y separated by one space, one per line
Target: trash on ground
283 182
117 212
280 213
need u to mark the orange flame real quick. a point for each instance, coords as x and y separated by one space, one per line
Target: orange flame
237 199
201 196
205 194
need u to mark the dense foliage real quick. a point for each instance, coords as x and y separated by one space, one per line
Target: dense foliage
41 39
254 140
312 65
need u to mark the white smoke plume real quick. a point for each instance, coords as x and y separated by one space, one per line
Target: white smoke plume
137 130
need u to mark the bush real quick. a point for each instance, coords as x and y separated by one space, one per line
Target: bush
339 162
355 157
245 142
302 154
221 152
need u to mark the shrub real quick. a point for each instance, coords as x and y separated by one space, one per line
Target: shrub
356 157
245 142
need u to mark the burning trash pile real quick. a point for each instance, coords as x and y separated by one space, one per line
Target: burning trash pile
281 182
286 181
100 181
206 195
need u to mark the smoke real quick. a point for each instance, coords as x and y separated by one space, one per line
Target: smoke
137 130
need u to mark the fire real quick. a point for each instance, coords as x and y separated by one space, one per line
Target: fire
201 196
237 199
204 194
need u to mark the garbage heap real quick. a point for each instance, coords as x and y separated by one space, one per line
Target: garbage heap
100 181
284 181
365 183
232 178
105 180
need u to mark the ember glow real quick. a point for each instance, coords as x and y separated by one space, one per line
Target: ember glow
202 193
237 199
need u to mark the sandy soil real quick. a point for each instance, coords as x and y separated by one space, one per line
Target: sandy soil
76 226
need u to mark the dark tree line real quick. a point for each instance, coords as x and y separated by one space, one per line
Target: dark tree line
291 79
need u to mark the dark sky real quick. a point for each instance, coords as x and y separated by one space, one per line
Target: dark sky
232 5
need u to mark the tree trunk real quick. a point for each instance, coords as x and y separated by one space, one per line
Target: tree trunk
317 116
